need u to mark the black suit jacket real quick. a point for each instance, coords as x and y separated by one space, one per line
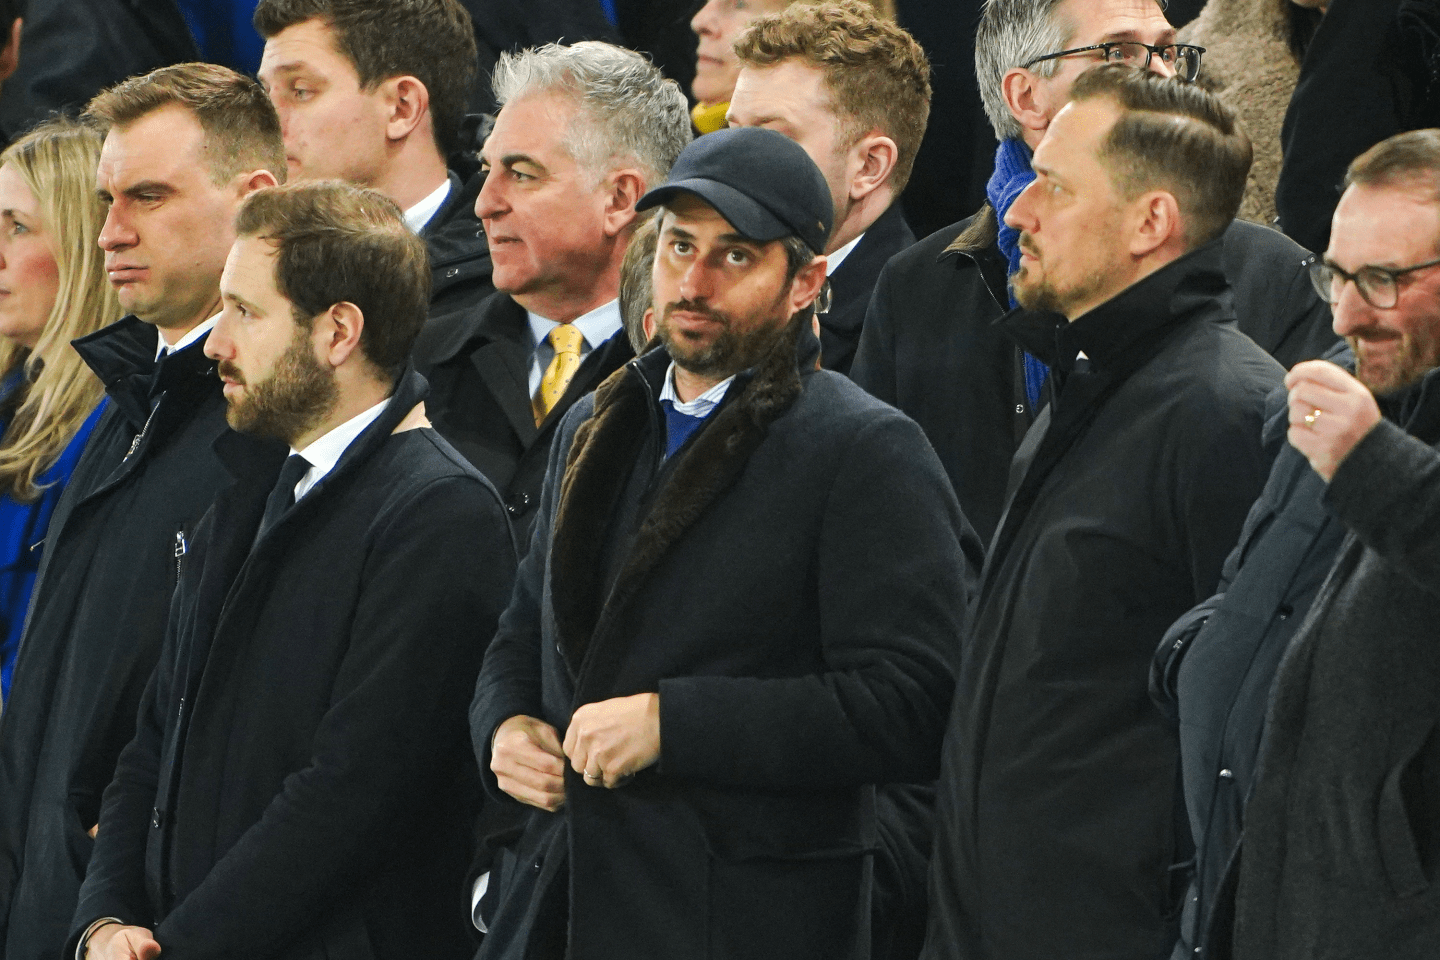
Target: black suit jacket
852 283
478 365
300 784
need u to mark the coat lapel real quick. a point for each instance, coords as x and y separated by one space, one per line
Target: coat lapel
599 467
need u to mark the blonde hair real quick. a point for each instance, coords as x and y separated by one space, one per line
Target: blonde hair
57 161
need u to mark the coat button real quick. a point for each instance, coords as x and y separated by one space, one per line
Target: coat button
1284 612
452 271
157 819
1019 408
518 503
1227 774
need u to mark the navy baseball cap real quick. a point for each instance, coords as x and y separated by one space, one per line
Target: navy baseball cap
761 181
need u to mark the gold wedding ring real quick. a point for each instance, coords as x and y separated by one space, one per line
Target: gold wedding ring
1310 418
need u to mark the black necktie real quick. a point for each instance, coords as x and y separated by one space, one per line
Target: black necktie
283 496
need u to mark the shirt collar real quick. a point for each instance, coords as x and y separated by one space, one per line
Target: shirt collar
326 451
701 405
200 330
419 215
596 327
833 260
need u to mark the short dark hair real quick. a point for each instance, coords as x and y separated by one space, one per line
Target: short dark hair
1410 160
430 40
877 73
1202 160
242 130
338 243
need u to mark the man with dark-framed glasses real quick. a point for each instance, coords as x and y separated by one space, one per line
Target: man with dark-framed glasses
1181 59
1341 838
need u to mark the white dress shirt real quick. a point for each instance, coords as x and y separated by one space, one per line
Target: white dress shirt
204 327
326 451
596 327
419 215
833 260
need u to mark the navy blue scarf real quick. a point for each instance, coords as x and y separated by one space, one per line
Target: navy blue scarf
1012 175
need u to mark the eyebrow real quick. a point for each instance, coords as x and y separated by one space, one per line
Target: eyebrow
1130 36
730 239
146 186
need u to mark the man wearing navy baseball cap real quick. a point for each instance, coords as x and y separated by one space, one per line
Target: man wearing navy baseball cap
740 612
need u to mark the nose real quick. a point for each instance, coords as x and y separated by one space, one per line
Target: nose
115 233
490 201
219 346
695 282
1350 312
1020 216
703 23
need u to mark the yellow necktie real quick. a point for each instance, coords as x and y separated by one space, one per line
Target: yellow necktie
566 341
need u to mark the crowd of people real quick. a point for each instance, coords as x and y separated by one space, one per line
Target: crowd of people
630 540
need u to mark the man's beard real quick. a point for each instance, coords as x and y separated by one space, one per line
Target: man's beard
731 350
1413 357
299 393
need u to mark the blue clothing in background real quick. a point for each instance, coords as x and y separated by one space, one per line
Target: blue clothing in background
224 32
22 527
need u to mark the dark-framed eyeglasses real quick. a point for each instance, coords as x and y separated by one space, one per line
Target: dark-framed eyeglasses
1378 286
1183 58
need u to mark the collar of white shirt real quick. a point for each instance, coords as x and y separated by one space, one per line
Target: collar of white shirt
596 327
326 451
200 330
701 405
833 260
419 215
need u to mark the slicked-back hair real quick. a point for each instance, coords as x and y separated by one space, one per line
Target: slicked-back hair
338 243
1407 160
430 40
1173 136
876 73
628 112
242 130
1010 33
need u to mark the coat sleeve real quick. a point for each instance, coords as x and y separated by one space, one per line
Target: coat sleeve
510 679
432 587
895 568
1387 492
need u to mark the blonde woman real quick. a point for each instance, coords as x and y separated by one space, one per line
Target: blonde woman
53 289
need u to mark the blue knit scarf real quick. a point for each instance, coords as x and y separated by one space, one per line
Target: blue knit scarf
1013 174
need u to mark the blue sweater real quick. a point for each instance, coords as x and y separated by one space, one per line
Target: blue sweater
22 529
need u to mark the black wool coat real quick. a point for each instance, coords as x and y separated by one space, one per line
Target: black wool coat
97 618
793 583
460 265
1216 665
478 365
853 283
300 784
1342 834
930 347
1058 819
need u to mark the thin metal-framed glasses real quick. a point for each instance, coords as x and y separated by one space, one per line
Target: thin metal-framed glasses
1378 286
1183 58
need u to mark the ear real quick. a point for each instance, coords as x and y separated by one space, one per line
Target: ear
1156 223
10 53
407 103
1028 98
872 160
807 284
337 333
623 189
248 183
647 323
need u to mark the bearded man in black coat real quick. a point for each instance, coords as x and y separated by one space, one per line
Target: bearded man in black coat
300 784
1058 821
729 626
185 146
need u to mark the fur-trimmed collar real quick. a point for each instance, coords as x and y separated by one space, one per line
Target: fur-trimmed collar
600 463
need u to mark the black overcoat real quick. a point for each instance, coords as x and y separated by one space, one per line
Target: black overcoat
793 583
97 618
478 365
853 283
1342 833
300 783
1216 665
460 267
929 345
1057 821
